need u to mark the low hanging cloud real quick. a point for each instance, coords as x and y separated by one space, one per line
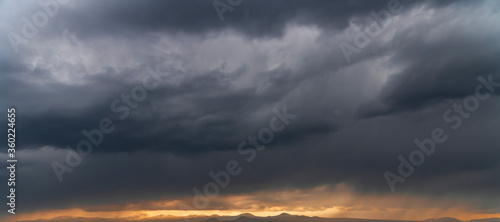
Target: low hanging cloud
220 84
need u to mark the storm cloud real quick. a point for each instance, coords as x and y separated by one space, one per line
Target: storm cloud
221 80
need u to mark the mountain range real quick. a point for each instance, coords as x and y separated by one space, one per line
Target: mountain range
247 217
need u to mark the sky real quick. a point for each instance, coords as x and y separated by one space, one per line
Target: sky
379 109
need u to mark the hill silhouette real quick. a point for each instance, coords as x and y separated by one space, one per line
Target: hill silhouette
247 217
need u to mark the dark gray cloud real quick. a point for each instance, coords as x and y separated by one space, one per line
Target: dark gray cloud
221 81
450 73
253 18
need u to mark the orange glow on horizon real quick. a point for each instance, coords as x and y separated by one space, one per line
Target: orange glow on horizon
323 201
173 214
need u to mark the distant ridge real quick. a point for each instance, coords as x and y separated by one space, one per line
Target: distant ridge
247 217
285 217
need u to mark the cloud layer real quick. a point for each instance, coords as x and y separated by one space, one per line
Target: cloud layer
220 83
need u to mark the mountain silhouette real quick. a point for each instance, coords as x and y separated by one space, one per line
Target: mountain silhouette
285 217
247 217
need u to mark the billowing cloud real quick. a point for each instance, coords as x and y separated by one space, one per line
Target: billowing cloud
219 83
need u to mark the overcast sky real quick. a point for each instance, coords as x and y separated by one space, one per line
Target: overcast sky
359 101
